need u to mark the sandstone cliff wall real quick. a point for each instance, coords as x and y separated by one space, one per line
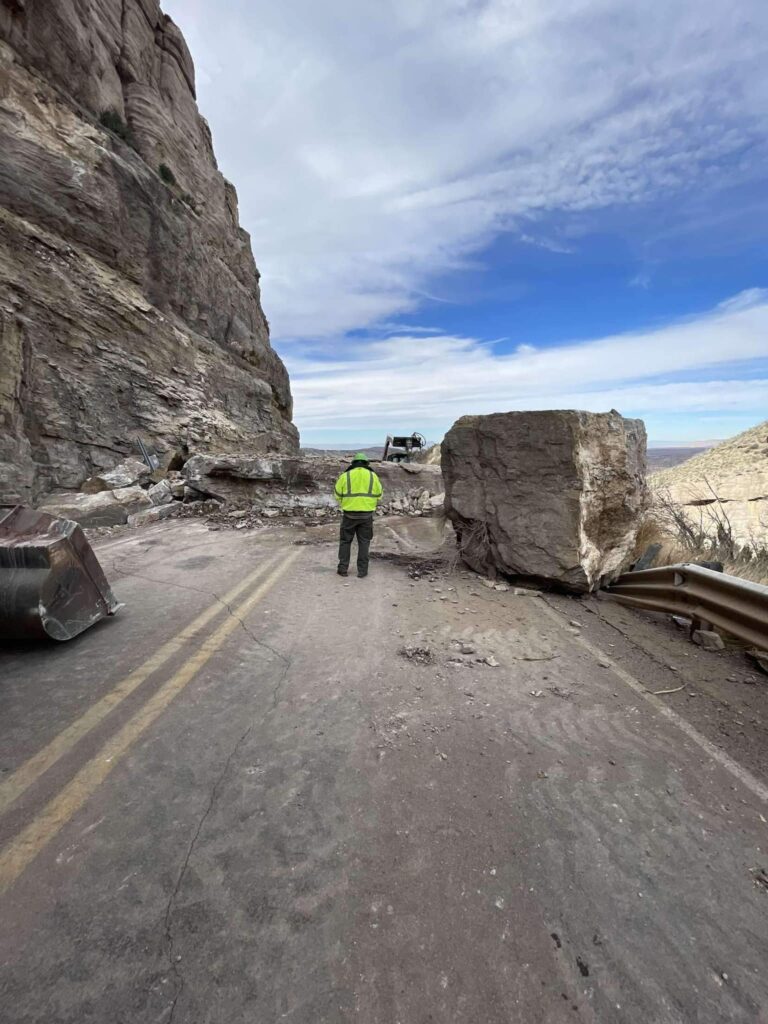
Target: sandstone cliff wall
727 483
129 297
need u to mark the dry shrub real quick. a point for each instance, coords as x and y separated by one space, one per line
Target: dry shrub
700 534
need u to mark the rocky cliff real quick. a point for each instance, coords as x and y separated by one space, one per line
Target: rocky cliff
129 297
728 484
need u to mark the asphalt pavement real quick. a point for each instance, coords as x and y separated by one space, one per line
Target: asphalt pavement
263 793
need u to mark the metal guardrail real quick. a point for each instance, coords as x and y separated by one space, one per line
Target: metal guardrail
734 605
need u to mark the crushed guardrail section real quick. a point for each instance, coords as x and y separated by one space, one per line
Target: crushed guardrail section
733 605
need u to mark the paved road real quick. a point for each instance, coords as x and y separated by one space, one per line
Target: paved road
237 802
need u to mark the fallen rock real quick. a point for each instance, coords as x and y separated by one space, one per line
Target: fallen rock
133 499
421 654
302 484
105 508
556 496
156 514
708 639
124 474
177 485
160 494
760 658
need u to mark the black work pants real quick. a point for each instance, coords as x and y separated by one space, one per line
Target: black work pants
360 525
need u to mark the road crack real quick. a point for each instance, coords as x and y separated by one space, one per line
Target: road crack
130 574
173 959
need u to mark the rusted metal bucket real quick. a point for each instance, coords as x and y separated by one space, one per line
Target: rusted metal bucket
51 584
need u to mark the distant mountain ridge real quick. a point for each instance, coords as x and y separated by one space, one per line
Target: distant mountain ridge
667 457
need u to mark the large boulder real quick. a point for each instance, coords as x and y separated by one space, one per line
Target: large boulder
556 496
105 508
124 474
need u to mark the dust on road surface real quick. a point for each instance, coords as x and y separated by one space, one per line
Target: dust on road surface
263 793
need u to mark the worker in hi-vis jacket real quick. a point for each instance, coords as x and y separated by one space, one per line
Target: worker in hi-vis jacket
358 491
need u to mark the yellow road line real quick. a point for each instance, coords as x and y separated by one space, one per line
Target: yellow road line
28 773
55 815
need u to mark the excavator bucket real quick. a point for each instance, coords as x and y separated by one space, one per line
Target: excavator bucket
51 584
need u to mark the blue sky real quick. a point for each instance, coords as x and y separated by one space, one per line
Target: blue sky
467 206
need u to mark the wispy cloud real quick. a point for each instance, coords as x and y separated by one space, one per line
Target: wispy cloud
691 366
376 146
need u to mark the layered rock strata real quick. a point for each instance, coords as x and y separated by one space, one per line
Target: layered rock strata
129 297
725 488
556 496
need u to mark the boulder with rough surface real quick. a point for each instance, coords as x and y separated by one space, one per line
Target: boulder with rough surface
161 494
124 474
105 508
555 496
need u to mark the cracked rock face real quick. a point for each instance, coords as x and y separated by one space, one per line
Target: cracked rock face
129 297
552 495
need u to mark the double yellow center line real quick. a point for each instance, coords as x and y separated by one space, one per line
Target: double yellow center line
42 829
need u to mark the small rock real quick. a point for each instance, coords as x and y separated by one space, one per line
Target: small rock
239 513
574 623
760 658
490 660
708 639
423 655
160 494
467 648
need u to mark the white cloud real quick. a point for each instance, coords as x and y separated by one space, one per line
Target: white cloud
375 145
425 383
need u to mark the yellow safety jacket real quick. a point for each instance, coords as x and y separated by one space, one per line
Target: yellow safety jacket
358 490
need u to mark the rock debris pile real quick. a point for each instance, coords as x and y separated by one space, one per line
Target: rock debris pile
237 491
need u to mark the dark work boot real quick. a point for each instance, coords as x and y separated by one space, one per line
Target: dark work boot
342 572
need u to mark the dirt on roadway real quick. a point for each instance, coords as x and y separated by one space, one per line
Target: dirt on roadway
265 793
